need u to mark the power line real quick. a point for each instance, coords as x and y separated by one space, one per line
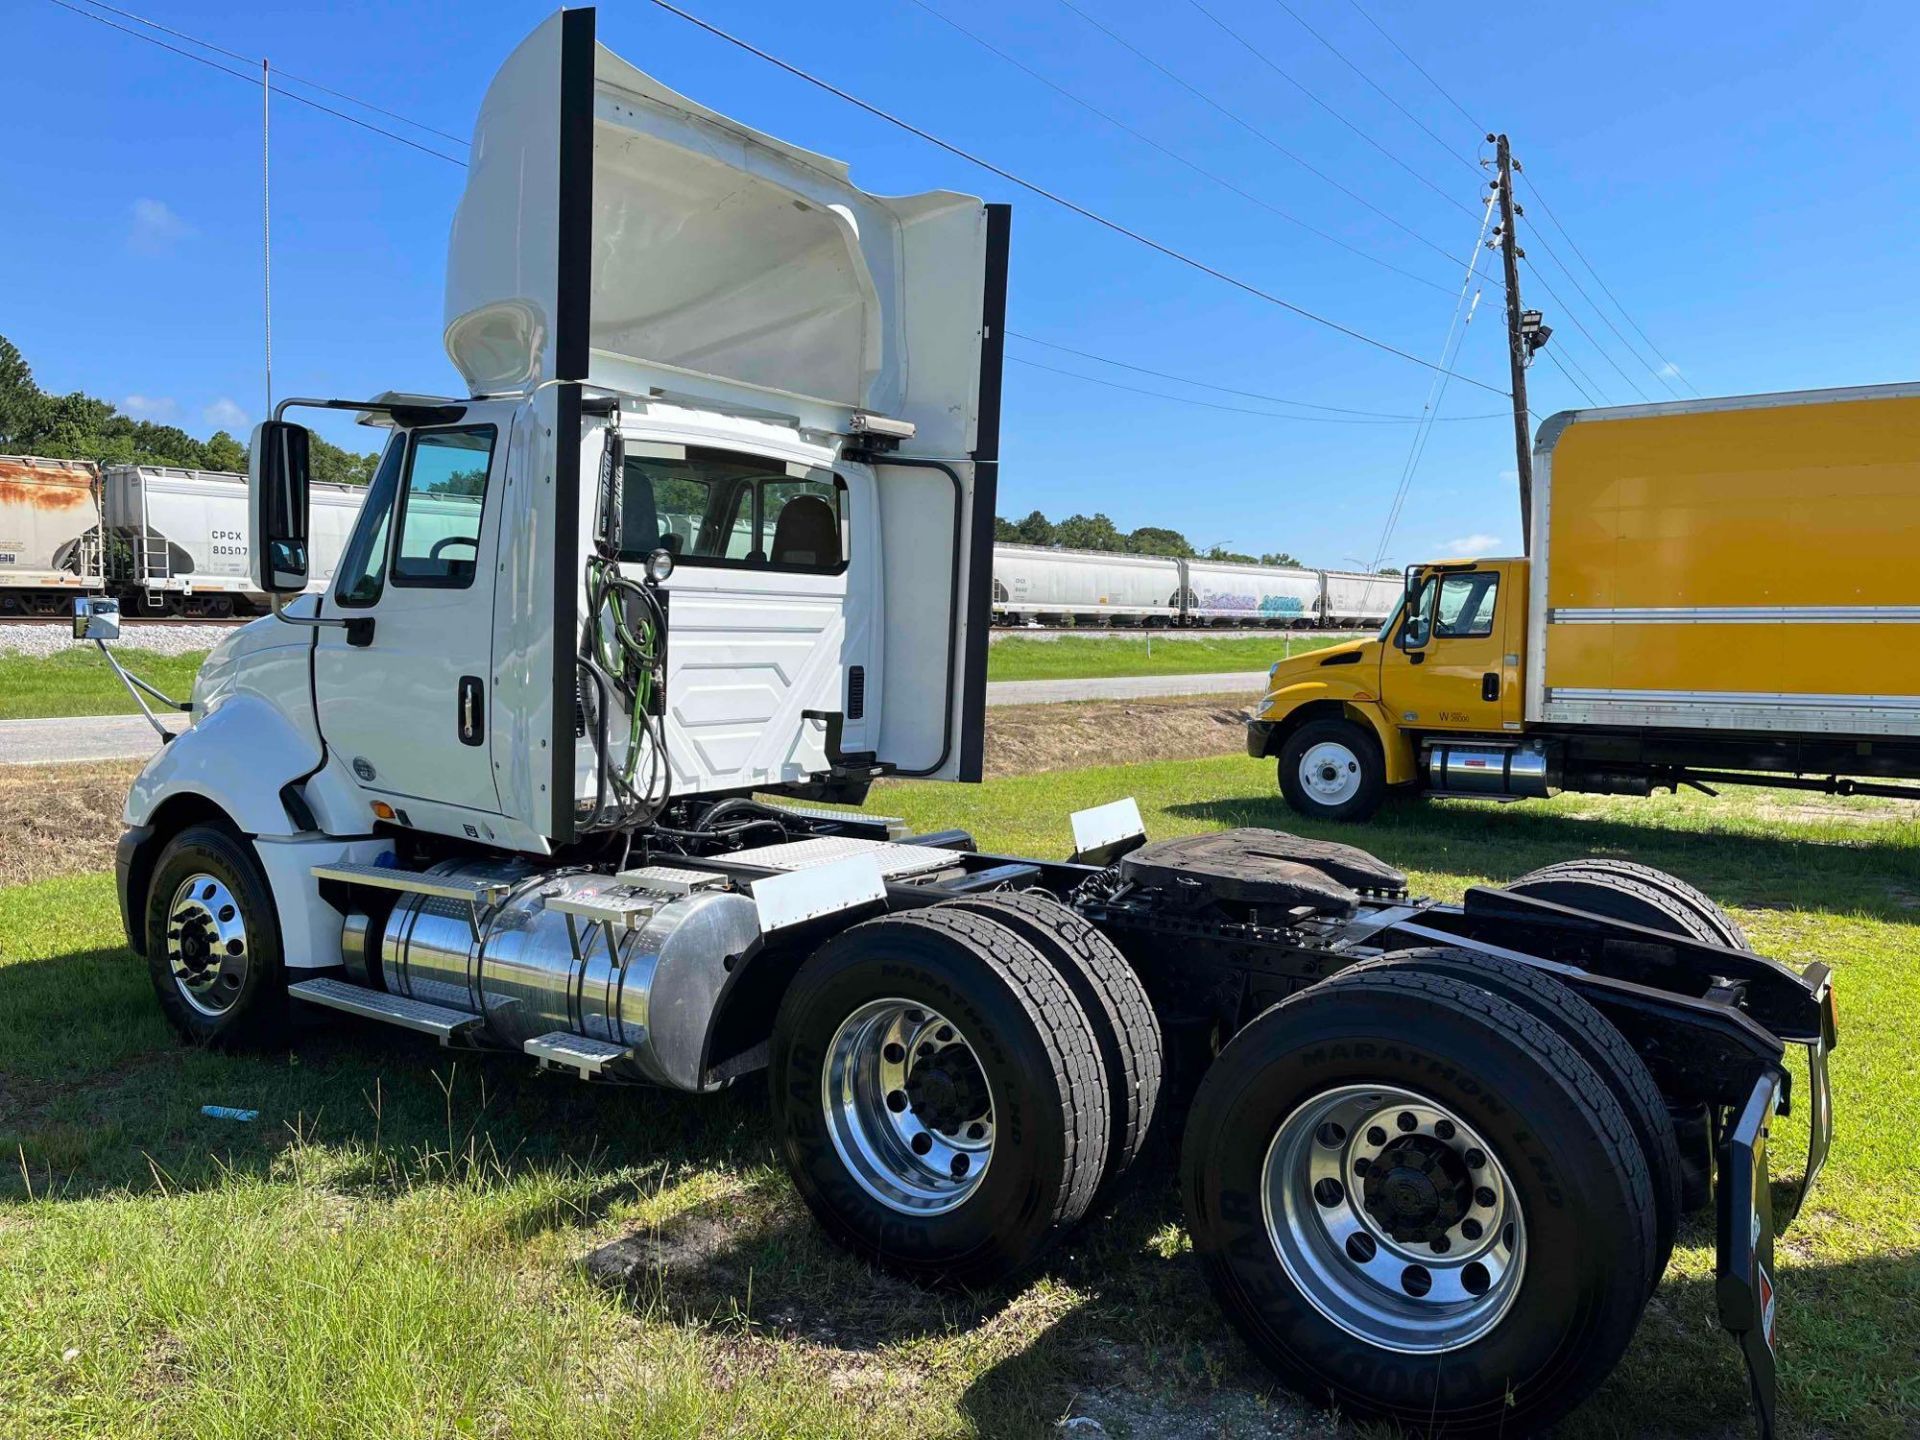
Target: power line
1214 405
1192 165
1547 209
1341 57
1101 220
1418 66
284 74
1436 390
1383 415
1567 235
1585 394
1267 61
1598 309
1255 130
254 82
1567 310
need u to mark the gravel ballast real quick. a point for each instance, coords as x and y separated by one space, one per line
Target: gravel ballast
159 638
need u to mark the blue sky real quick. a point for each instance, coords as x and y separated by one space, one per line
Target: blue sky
1740 177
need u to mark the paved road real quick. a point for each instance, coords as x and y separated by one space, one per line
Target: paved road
1250 684
96 737
129 737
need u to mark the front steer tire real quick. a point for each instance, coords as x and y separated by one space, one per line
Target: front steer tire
1332 770
928 982
1566 1161
213 945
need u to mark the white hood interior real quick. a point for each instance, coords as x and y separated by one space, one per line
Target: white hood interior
727 266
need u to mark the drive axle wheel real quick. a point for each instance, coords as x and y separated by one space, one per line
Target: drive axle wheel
938 1096
213 942
1332 770
1394 1218
907 1107
1418 1203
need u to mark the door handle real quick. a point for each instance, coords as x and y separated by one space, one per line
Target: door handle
1490 685
473 711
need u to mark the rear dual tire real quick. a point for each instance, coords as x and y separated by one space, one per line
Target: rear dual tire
1388 1326
962 1033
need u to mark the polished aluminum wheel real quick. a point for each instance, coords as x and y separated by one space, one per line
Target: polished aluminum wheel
1394 1218
1330 773
207 944
908 1107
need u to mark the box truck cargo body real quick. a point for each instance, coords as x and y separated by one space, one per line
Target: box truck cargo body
1718 591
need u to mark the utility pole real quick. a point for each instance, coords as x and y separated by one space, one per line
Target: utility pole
1520 346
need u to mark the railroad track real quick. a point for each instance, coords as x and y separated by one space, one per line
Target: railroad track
131 621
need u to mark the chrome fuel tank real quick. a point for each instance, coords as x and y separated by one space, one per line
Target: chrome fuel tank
533 964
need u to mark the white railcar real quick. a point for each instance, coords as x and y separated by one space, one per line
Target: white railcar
1032 582
49 534
1220 593
1359 600
178 538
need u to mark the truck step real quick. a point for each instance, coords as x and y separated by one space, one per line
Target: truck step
479 893
440 1021
586 1057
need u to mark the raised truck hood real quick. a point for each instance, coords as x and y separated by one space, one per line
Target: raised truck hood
725 266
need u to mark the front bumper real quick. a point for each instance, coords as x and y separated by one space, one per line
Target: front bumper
1259 736
1744 1208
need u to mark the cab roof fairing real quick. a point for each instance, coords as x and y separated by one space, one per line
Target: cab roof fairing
725 264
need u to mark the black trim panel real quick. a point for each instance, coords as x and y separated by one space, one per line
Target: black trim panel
986 491
573 314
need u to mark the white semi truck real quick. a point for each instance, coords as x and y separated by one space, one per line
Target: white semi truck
707 539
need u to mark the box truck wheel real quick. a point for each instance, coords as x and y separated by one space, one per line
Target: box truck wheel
938 1096
1332 770
1418 1203
1595 1039
213 942
1125 1028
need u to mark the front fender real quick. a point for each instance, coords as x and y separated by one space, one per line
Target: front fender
239 756
1280 707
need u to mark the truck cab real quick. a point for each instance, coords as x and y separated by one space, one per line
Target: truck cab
1443 672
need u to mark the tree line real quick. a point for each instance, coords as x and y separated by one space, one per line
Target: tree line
1097 532
78 426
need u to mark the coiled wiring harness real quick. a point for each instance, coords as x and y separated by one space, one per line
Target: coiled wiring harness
621 672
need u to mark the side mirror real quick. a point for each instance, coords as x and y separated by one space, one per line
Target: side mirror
279 479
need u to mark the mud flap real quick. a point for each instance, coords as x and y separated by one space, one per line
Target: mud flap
1744 1275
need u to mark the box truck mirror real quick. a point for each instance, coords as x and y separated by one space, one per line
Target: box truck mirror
277 503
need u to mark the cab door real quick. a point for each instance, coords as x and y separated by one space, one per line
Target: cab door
1445 665
403 697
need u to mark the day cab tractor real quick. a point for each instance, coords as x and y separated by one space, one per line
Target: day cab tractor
1715 592
707 543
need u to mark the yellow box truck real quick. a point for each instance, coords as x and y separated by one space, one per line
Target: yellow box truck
1717 591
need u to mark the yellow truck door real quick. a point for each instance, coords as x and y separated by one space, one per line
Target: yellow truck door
1445 665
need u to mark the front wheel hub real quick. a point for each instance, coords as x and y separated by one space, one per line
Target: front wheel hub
206 944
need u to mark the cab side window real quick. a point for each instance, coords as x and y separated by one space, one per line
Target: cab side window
440 507
1466 605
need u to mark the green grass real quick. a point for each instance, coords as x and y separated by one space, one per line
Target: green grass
1074 657
412 1244
80 682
